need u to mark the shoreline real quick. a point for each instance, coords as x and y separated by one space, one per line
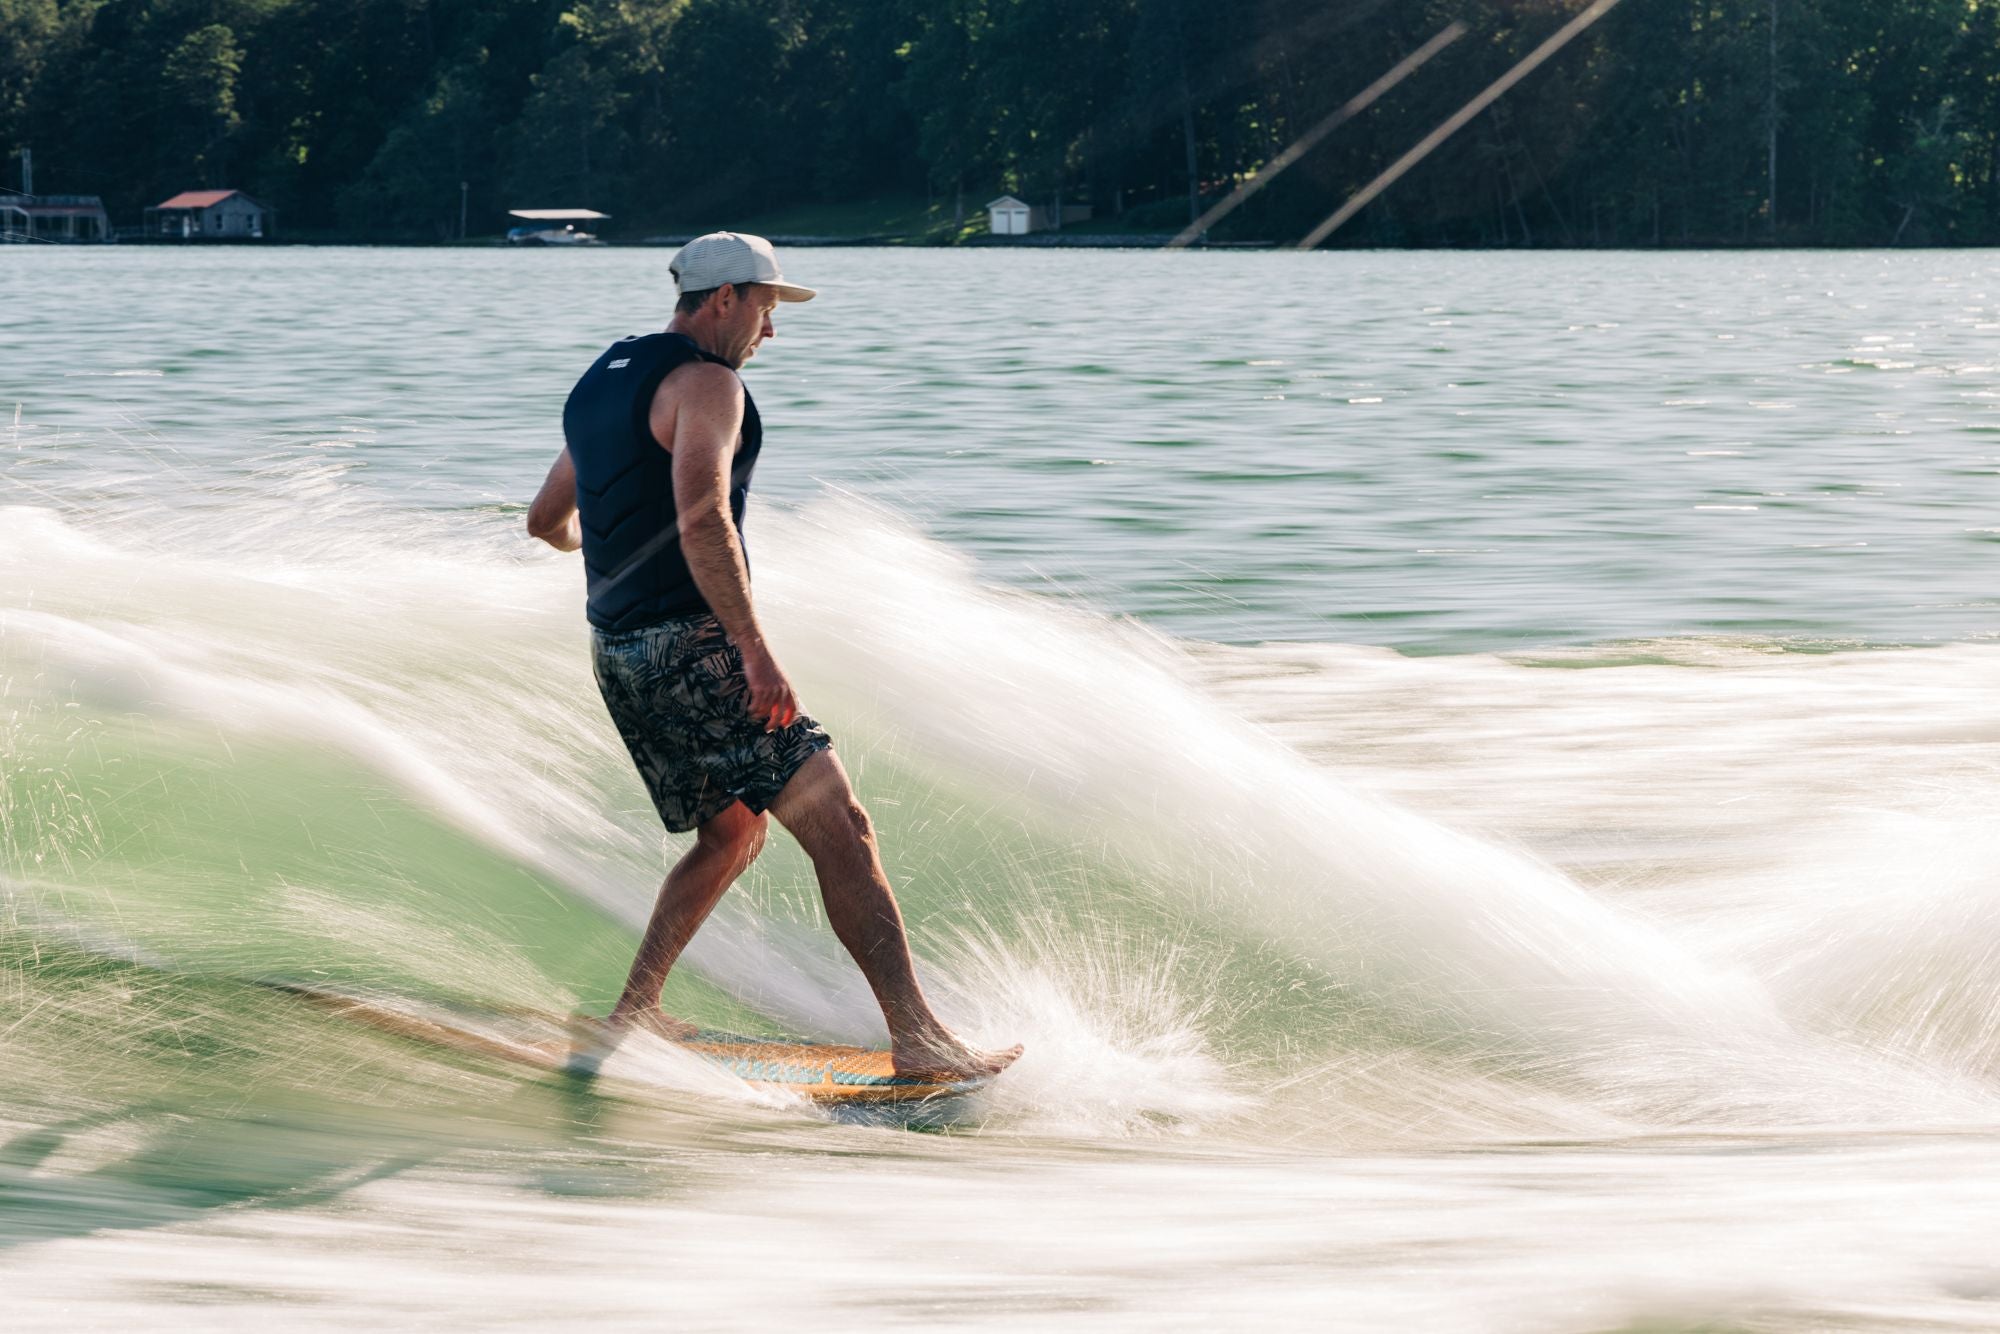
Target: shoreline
1088 241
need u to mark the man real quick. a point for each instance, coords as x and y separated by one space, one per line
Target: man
661 441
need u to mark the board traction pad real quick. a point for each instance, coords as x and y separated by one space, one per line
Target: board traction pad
792 1061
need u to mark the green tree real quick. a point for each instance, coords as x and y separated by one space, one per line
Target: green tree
197 88
412 186
568 144
27 29
1657 127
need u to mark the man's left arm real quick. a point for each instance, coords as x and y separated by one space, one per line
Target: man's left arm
552 517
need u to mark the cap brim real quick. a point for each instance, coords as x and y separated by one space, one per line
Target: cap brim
791 291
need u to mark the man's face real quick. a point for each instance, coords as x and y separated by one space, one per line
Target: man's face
746 322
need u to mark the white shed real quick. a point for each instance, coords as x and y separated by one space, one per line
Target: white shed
1008 216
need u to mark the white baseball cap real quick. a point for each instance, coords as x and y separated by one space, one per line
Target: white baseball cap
707 262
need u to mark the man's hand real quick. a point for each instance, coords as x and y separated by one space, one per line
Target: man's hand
772 700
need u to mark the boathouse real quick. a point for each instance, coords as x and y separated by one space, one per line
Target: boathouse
53 218
210 215
554 226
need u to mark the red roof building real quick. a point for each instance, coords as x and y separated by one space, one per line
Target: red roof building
197 198
211 215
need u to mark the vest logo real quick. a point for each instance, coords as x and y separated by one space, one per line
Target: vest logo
620 364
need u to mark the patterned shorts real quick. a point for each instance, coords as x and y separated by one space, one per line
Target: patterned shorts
677 693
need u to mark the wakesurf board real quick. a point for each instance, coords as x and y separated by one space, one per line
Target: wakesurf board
827 1073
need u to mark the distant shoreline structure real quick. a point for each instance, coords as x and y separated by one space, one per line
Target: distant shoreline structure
1038 242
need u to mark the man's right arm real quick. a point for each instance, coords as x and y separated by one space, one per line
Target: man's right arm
698 417
552 516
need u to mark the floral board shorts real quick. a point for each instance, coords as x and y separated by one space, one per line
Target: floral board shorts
677 694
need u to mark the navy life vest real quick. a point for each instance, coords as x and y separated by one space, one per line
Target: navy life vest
625 483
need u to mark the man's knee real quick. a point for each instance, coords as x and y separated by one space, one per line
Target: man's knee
830 823
843 831
855 821
735 834
820 809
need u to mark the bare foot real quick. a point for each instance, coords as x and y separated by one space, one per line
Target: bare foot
942 1054
592 1040
652 1020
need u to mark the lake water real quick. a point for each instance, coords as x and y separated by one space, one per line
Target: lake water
1472 775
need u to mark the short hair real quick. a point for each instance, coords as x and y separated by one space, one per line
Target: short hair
690 302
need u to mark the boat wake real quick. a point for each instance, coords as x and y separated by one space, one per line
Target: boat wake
1215 890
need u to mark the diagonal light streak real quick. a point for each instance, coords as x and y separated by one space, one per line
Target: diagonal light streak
1424 148
1306 142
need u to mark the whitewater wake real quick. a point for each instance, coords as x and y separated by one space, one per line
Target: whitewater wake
1195 881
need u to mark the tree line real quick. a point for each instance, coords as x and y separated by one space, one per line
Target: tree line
1669 122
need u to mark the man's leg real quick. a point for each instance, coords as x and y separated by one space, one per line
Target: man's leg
819 809
722 849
